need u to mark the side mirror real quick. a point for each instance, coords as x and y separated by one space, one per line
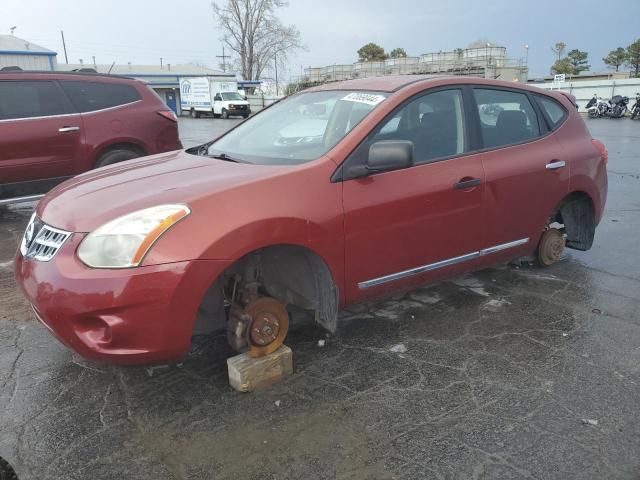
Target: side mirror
384 156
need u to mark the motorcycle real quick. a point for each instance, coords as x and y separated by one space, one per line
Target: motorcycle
635 110
617 106
597 107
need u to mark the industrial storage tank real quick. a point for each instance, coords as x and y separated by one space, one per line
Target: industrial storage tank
401 66
484 56
368 69
313 74
340 72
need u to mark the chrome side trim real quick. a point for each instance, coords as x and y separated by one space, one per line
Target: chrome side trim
12 201
62 115
24 119
441 264
504 246
416 271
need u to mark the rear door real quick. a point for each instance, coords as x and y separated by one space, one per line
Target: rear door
526 167
40 132
109 115
408 226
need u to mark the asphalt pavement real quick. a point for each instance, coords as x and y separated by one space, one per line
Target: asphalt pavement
508 373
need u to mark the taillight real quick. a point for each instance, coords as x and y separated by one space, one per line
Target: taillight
604 154
168 114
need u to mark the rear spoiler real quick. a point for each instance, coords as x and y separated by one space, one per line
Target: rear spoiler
571 98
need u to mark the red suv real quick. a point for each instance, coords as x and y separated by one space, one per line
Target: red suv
336 194
56 125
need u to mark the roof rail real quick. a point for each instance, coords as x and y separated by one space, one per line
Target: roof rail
90 72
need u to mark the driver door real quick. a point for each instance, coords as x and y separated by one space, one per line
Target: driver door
217 104
408 226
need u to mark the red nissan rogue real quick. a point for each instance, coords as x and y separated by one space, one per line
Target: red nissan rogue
55 125
341 192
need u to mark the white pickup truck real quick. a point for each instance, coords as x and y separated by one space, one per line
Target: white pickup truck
218 96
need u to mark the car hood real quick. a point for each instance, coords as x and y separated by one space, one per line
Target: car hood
87 201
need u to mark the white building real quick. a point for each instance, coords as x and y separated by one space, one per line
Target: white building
16 52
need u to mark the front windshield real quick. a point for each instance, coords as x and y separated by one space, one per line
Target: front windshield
231 96
297 129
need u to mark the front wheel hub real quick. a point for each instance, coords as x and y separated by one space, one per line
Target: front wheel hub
260 328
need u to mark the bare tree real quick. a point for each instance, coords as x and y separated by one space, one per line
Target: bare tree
558 49
255 34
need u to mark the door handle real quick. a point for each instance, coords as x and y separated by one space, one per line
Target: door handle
555 164
68 129
467 182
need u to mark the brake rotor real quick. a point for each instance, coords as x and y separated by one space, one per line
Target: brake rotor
551 247
268 326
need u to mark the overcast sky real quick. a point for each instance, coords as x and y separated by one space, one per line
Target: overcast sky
182 31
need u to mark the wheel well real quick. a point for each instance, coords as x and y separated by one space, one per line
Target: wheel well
292 274
577 213
120 146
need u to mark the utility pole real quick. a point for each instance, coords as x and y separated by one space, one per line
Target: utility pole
64 47
160 63
224 59
275 59
94 61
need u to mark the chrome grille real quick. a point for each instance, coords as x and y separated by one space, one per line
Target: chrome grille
41 242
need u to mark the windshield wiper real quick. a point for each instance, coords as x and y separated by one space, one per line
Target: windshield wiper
225 157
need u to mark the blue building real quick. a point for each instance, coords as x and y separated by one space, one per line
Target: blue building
16 52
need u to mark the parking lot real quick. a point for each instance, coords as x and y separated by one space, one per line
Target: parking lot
508 373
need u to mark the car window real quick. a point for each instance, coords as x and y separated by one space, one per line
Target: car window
299 128
506 117
29 99
231 96
433 122
553 109
91 96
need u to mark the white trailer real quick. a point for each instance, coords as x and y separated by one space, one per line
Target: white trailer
217 96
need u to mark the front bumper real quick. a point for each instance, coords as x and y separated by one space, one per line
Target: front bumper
141 315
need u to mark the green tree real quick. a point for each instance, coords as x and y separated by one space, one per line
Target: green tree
633 57
398 53
558 49
578 60
562 66
371 53
616 58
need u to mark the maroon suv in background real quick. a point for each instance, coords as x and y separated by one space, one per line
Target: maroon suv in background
56 125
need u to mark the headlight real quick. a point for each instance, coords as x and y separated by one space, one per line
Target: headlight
124 242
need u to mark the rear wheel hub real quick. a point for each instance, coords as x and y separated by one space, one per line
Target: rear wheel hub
551 247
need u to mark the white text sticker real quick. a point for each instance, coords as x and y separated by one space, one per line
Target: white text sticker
368 98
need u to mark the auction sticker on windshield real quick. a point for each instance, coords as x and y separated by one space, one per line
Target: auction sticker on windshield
368 98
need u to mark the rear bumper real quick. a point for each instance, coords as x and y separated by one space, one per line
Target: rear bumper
141 315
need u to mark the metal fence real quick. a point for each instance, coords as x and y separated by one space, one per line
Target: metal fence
258 102
584 90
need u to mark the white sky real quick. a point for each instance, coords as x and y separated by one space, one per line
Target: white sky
182 31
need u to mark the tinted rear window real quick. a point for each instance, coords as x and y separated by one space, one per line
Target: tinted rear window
29 99
506 117
90 96
553 110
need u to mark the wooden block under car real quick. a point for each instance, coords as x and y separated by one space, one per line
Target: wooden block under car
248 374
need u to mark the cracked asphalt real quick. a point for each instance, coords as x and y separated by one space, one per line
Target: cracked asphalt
509 373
